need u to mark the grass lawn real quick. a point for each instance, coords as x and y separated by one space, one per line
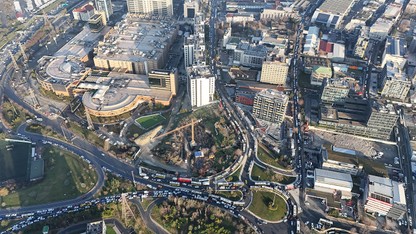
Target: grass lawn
234 177
110 230
261 174
66 177
14 160
267 158
371 166
150 121
232 195
261 205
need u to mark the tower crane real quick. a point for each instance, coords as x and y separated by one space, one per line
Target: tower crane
192 124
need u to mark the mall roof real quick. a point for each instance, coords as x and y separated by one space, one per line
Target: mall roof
335 6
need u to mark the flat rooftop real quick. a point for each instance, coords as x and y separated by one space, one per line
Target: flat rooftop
135 39
335 7
81 44
113 91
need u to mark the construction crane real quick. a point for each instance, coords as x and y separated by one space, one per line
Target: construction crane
192 124
22 50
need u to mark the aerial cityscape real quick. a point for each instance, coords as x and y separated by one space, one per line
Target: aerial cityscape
207 116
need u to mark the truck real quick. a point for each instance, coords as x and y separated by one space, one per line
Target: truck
292 144
160 176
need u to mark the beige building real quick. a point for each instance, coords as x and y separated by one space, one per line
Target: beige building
109 94
274 72
136 46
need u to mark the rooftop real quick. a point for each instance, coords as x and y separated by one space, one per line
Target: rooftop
114 90
335 7
388 188
333 179
134 39
274 94
81 44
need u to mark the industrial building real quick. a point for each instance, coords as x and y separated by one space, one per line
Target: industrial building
385 197
201 85
136 46
332 12
158 7
270 105
274 72
331 182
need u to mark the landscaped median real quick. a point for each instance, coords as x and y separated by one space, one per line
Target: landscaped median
264 174
267 205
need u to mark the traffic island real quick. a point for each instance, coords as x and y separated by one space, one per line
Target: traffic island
268 206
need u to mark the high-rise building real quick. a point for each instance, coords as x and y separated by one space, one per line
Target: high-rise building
190 8
270 105
159 7
201 86
83 13
104 6
164 79
274 72
188 51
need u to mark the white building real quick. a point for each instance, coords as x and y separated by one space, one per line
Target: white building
104 6
17 6
29 5
331 181
83 13
201 86
159 7
311 41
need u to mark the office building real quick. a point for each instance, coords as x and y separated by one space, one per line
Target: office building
188 51
96 23
158 7
330 181
249 55
385 197
396 90
270 105
190 8
274 72
311 41
136 46
104 6
83 13
201 85
355 116
335 92
164 80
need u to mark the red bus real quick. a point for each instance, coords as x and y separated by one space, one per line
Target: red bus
184 180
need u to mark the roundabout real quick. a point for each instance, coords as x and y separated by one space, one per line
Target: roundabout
268 205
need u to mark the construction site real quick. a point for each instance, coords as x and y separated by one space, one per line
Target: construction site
202 142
